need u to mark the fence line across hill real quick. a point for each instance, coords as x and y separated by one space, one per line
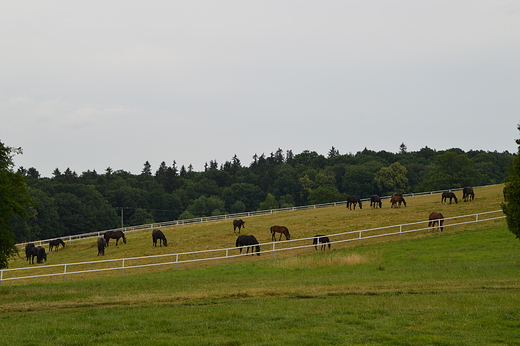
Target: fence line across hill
224 217
176 259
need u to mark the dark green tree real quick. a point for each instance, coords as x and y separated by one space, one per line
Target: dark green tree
512 205
13 201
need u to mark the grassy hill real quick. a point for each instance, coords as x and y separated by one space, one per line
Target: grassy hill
458 288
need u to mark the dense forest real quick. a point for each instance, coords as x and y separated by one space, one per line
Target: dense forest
68 203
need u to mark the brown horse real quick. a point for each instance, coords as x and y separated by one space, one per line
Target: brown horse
282 230
396 201
450 195
436 218
114 235
468 194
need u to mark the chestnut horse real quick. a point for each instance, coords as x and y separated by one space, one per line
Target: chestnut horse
436 218
282 230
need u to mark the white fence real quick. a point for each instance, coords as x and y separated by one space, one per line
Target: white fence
225 254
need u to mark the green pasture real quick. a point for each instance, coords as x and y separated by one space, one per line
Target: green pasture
457 288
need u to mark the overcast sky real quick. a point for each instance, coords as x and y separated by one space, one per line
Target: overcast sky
96 84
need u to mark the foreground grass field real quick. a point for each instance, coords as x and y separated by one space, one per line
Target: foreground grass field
459 288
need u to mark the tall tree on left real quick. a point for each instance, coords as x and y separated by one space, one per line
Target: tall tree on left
13 200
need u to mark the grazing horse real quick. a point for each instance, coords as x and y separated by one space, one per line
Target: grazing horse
375 201
249 241
114 235
157 234
282 230
101 245
239 224
55 244
323 239
28 249
352 201
450 195
396 201
436 218
39 253
468 194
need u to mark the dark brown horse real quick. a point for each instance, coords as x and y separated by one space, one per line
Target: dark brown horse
322 239
157 234
436 219
250 242
114 235
450 195
101 245
375 201
468 194
282 230
396 201
352 201
55 243
238 224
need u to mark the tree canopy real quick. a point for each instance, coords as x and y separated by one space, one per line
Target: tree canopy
14 202
71 203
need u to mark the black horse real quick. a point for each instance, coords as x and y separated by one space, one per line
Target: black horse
352 201
238 224
450 195
114 235
28 249
468 194
322 239
101 245
39 253
249 241
56 244
158 234
375 201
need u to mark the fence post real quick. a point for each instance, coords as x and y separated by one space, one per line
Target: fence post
272 253
123 267
1 276
65 272
177 261
360 237
476 219
400 231
227 254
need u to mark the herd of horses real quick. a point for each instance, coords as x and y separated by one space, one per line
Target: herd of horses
435 221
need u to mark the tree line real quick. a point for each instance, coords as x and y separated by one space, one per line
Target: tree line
69 203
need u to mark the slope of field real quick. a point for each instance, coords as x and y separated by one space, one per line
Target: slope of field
302 224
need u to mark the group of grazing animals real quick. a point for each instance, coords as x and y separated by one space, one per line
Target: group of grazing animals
32 251
251 243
